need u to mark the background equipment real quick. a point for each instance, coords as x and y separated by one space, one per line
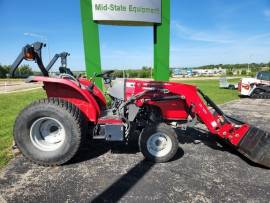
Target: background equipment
258 87
223 83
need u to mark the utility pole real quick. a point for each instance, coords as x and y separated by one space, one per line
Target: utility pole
249 62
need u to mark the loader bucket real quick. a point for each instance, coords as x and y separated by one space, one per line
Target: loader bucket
255 145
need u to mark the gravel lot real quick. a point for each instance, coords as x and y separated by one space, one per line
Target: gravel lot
9 86
203 171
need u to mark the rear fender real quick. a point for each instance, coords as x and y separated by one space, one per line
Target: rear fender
96 91
71 92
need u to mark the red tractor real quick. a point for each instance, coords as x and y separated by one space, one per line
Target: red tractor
50 131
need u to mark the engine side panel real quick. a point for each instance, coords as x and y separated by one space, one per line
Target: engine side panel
117 89
171 110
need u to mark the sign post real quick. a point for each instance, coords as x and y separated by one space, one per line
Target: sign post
91 41
162 45
154 13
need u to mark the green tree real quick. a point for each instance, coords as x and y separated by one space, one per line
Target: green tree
4 70
1 71
229 72
244 72
25 71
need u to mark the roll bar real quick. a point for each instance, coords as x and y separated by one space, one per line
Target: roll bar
30 52
63 57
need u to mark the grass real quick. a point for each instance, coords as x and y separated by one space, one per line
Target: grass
211 89
12 104
11 79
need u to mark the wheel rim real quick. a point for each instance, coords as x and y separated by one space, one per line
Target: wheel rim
47 134
159 144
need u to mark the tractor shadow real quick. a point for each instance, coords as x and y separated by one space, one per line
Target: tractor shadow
96 148
198 135
90 150
125 183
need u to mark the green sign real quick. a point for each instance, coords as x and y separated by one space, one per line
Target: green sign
146 11
130 12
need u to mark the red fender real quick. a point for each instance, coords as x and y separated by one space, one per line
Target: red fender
97 92
70 91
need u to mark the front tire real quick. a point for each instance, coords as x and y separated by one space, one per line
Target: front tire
48 132
158 143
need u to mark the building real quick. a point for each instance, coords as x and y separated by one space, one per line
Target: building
182 72
189 72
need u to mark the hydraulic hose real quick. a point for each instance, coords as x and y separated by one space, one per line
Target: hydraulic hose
213 105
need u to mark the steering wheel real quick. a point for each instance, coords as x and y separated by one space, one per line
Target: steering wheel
105 74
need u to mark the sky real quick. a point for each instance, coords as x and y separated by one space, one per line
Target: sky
202 32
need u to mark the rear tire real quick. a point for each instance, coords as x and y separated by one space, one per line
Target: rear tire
48 132
158 143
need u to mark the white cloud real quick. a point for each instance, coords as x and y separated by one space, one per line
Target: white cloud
263 37
197 56
214 36
221 47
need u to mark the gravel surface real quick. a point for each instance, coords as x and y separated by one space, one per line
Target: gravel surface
202 171
17 86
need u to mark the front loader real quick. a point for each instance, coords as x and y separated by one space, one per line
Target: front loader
50 131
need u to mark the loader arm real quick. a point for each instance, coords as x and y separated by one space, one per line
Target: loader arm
217 123
250 141
195 105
